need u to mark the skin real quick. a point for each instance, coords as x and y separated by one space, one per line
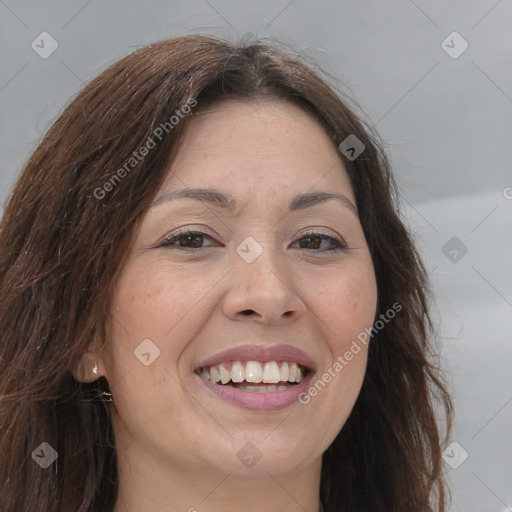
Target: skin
177 443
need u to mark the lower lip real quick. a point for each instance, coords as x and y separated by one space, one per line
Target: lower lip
270 401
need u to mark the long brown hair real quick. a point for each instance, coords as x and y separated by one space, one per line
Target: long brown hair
63 238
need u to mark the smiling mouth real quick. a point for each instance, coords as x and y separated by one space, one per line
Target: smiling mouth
255 376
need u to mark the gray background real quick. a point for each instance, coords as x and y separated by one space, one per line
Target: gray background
446 122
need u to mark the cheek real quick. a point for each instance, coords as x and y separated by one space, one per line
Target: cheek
151 314
346 305
157 303
153 302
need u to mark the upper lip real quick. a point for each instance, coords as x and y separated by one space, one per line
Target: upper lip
258 352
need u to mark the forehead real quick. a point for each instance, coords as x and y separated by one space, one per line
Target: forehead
265 147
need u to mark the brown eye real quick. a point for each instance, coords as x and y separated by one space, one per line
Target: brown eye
187 240
191 240
320 243
310 242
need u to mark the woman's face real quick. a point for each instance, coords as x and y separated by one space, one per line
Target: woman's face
250 263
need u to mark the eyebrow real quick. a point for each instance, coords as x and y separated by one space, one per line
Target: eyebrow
228 202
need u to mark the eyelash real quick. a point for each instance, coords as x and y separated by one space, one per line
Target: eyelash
170 242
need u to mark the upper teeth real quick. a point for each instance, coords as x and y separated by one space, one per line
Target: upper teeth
270 372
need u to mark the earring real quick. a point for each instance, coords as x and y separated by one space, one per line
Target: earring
95 369
104 396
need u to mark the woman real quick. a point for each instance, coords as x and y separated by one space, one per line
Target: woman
208 300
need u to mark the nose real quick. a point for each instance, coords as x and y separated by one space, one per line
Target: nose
263 291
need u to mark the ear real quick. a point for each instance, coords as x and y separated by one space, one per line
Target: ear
90 367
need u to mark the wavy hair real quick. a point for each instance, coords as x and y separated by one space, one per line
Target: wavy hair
63 242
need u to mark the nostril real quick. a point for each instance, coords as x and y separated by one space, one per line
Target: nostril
247 312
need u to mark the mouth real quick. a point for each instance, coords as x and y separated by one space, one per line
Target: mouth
257 377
